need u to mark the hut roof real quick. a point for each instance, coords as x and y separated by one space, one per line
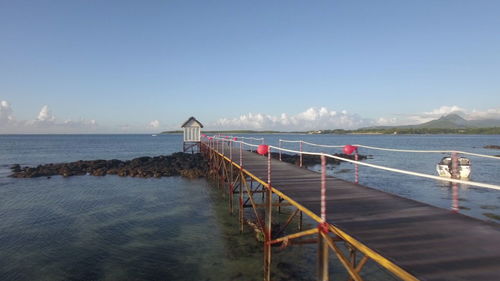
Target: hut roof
191 119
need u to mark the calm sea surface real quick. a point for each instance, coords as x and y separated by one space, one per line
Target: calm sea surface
114 228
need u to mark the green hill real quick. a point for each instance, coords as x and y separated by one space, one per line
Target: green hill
450 121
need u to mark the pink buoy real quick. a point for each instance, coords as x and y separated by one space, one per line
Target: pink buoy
262 149
203 135
349 149
210 138
235 139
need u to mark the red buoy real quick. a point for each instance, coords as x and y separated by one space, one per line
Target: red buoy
349 149
263 149
235 138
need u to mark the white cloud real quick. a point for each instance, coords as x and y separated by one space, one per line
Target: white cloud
322 118
45 115
383 121
154 124
493 113
314 118
6 113
436 113
82 123
311 119
444 110
45 122
422 117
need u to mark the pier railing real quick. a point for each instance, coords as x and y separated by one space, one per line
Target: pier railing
400 171
225 148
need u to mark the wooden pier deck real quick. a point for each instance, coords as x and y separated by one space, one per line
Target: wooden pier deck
421 240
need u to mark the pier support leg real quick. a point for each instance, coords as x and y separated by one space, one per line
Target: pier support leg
299 226
352 255
322 258
241 209
268 238
231 187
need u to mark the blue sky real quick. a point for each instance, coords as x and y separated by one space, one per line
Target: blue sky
141 66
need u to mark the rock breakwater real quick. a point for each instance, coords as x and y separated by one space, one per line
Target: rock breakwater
177 164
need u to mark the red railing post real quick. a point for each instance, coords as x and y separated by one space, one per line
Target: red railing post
269 167
300 144
280 148
323 188
241 210
231 186
267 227
356 167
323 227
241 155
455 174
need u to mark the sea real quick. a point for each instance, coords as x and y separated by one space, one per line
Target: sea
120 228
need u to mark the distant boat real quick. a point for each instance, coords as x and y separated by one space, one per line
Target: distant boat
444 167
153 135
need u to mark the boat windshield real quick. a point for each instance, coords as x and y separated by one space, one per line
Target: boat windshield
463 161
445 161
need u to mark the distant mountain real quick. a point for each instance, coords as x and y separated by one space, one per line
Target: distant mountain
450 121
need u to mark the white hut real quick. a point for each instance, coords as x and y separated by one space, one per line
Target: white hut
192 133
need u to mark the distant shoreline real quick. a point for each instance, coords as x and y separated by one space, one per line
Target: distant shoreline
391 131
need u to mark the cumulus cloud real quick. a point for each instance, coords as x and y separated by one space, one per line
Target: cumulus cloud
82 123
154 124
436 113
45 115
493 113
318 118
313 118
6 112
425 116
45 122
387 121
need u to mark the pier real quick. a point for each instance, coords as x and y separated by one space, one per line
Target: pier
410 239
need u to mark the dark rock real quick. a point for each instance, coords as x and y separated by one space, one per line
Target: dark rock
184 164
16 168
99 172
492 146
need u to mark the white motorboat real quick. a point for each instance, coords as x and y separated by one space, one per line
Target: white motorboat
444 167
